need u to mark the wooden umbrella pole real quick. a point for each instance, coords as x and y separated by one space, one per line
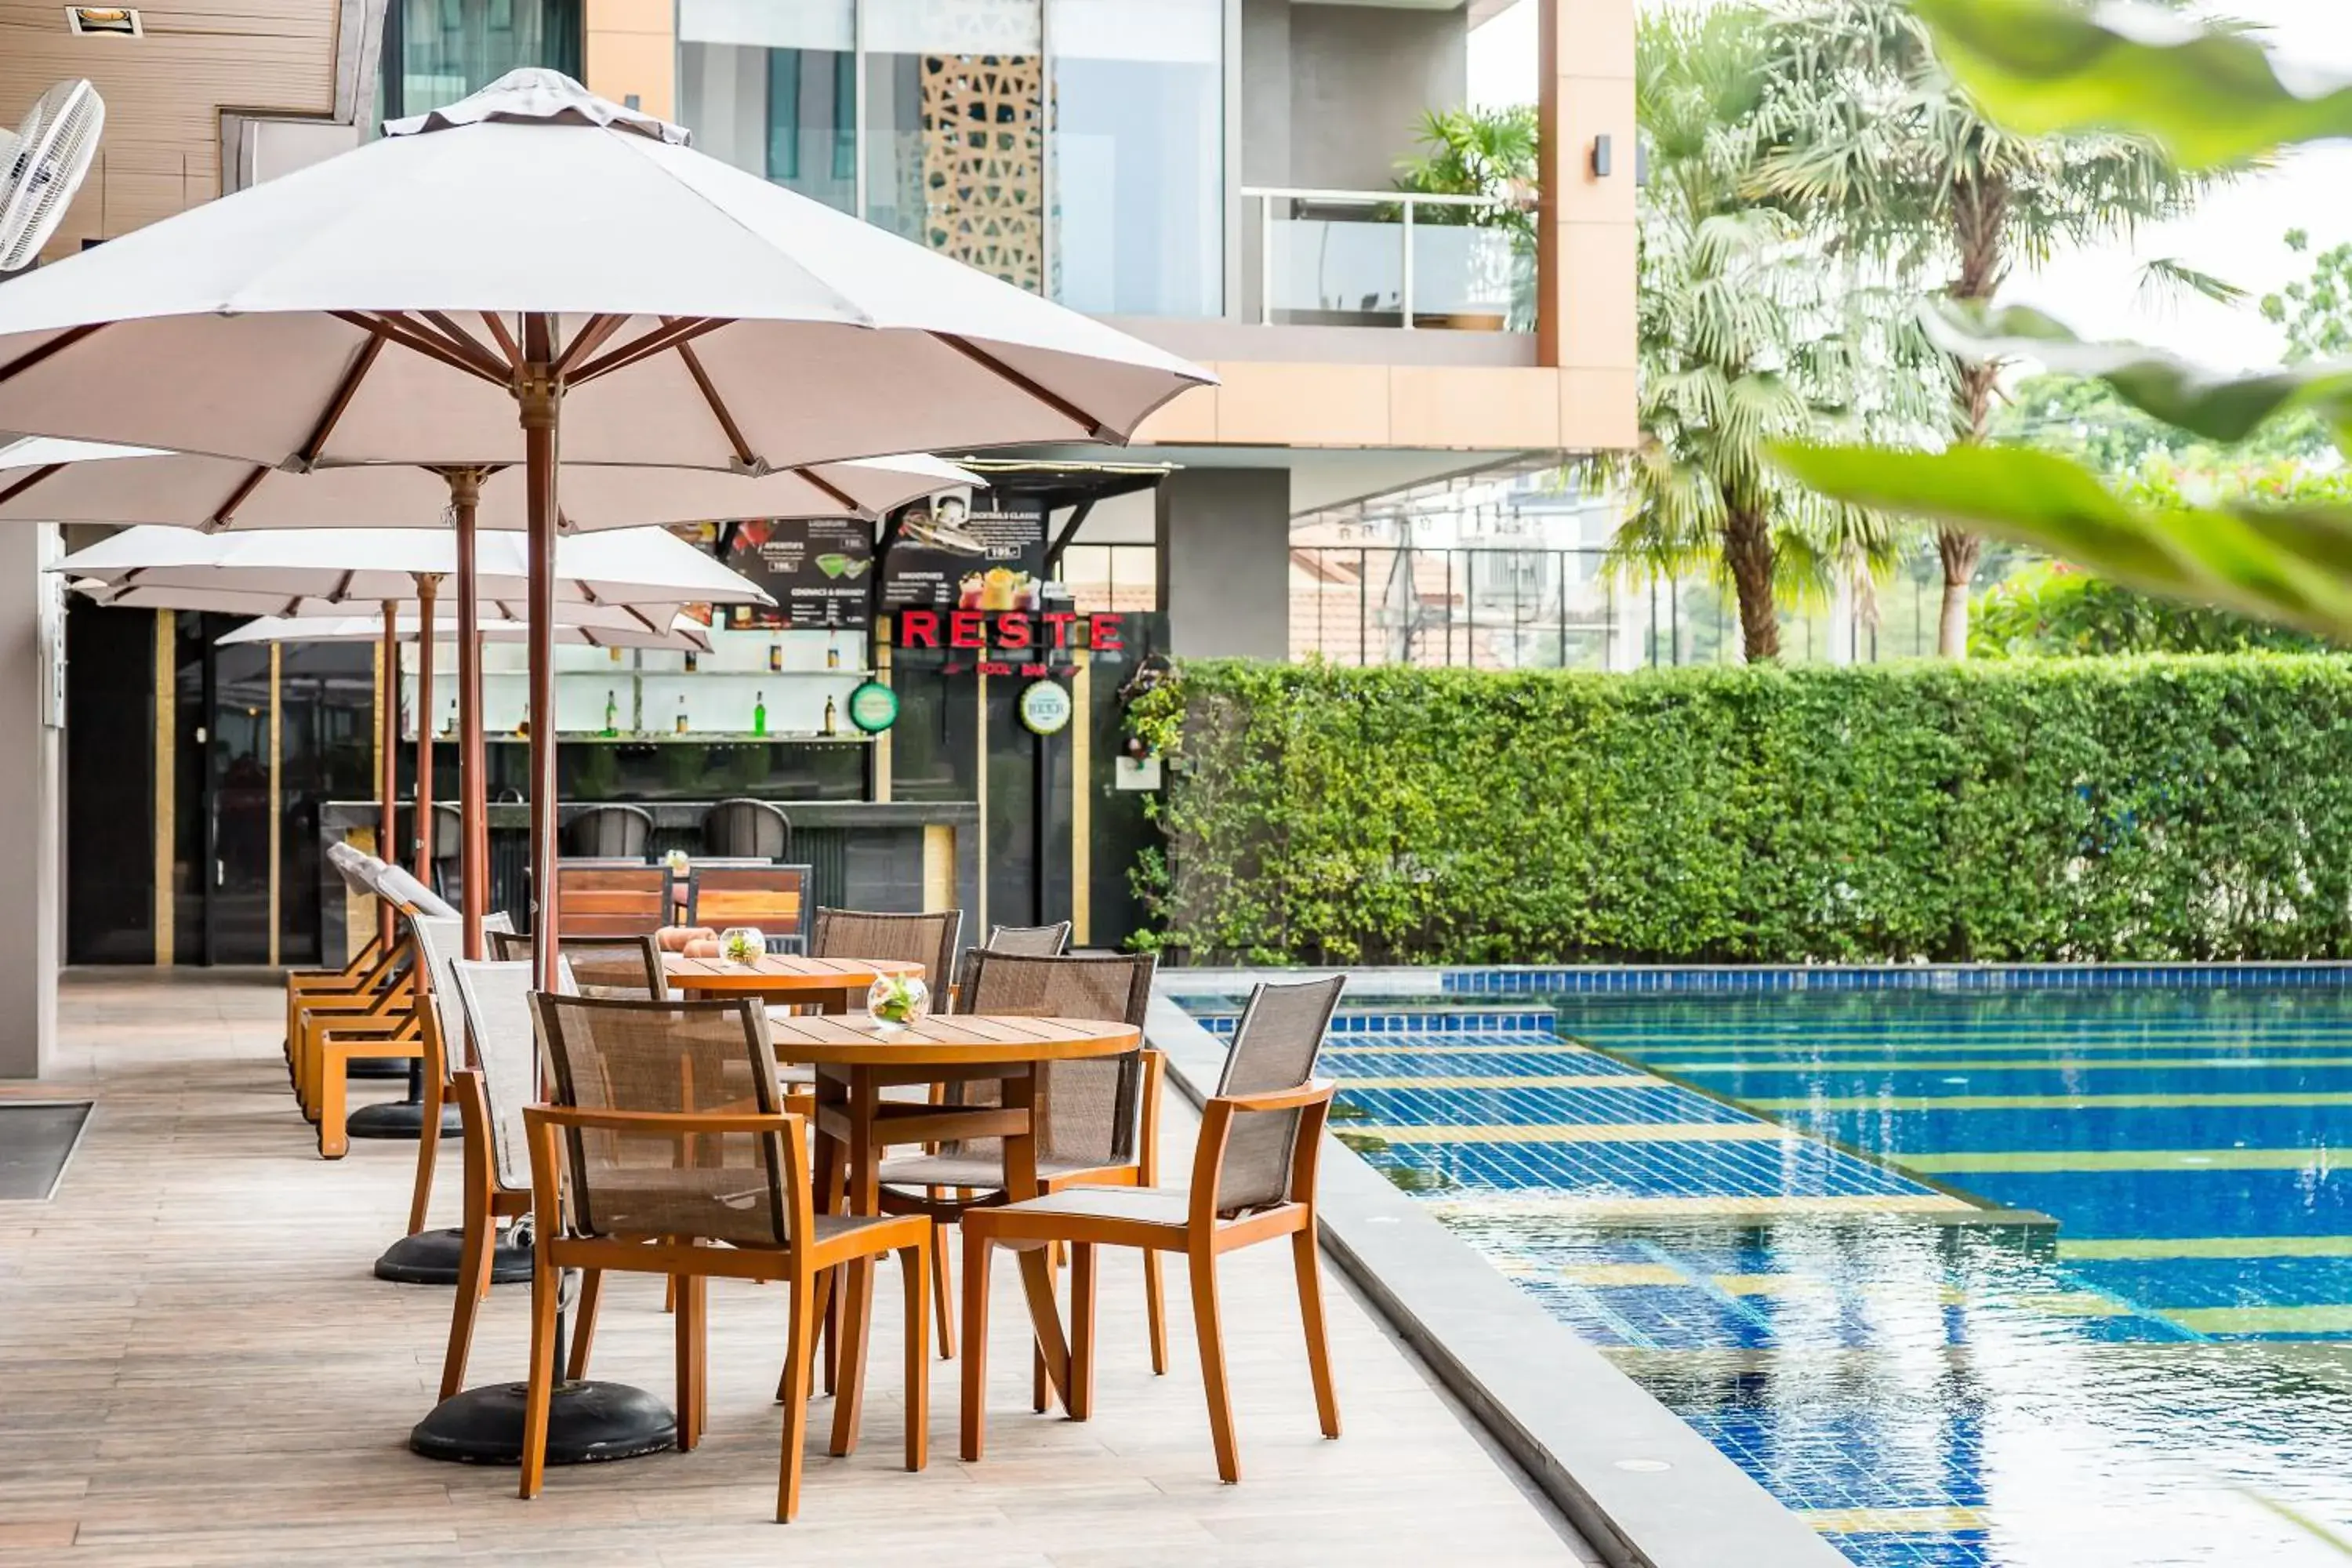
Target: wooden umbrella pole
388 725
429 586
473 810
541 397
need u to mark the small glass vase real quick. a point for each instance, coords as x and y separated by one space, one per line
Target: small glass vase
742 945
898 1001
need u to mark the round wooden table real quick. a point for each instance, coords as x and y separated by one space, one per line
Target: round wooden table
836 984
856 1059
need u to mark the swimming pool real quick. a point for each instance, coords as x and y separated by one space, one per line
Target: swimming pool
2001 1279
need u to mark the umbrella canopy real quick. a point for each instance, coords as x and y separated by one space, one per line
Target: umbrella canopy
364 310
341 567
682 633
44 479
604 625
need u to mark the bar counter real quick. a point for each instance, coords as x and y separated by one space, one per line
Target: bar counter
866 855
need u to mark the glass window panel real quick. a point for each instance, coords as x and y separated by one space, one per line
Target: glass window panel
773 91
1138 156
954 128
437 51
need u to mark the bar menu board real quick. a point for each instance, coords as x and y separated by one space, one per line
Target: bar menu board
820 570
985 553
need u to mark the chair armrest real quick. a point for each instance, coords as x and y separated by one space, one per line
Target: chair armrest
1315 1091
661 1123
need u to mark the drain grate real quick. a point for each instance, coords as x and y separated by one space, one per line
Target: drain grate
35 1142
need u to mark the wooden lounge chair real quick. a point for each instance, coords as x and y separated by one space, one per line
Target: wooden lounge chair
440 943
1253 1181
326 1044
355 987
493 999
661 1180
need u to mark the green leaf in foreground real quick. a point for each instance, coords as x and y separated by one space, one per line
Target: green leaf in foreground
2292 566
2217 406
2043 67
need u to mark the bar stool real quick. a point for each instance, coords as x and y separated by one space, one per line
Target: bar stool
610 833
747 829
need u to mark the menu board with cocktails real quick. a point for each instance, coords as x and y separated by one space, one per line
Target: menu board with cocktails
986 554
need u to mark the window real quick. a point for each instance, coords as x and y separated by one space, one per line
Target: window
773 90
437 51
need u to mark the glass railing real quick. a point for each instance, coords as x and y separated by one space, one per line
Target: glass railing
1386 259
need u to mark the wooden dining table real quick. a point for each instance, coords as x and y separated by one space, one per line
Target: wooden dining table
834 984
855 1061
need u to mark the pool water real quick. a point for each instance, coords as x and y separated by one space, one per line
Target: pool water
2032 1279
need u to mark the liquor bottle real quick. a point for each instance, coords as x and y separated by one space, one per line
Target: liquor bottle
449 725
829 721
832 653
691 664
775 658
612 714
614 654
759 712
681 712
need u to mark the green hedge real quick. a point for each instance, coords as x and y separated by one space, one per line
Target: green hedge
2162 808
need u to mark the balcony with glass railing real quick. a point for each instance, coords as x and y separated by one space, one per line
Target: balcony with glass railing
1389 259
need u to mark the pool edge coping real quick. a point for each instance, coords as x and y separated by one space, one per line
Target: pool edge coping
1560 1408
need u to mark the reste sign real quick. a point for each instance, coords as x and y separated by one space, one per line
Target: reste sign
1022 632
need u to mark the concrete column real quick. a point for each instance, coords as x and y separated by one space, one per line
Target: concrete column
1225 562
1586 238
32 640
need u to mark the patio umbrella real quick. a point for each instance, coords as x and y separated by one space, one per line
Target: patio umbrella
534 256
684 633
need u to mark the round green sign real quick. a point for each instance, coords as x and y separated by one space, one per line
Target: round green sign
1045 707
872 708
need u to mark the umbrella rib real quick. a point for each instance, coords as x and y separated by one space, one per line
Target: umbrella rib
668 334
338 405
56 345
840 495
45 471
409 338
504 339
719 410
459 338
593 336
1095 429
238 496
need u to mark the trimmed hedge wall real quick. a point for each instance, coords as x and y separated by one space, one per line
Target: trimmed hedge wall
2159 808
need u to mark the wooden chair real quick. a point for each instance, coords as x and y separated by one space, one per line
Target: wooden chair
1031 941
774 898
610 832
747 829
625 967
1253 1181
440 943
636 1167
1104 1116
493 1001
358 984
326 1045
611 898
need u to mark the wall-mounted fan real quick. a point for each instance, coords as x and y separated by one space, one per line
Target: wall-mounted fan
41 165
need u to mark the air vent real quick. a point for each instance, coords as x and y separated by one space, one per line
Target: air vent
104 22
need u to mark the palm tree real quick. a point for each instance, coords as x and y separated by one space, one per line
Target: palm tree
1875 140
1749 334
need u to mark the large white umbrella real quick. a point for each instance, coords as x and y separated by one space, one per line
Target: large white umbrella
535 255
44 480
684 633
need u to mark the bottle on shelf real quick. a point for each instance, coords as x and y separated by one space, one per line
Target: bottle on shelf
833 652
829 720
692 662
775 657
449 724
615 653
759 712
612 714
681 712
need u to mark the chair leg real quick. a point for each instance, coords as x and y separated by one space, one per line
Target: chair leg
670 1294
473 1283
940 1294
334 1140
545 1286
977 1249
693 1407
1212 1362
916 1264
428 1151
799 1350
583 1323
1081 1330
1041 1390
1318 1347
856 1292
1155 1310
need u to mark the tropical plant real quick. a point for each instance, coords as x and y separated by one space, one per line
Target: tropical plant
2053 610
2317 310
1875 137
2213 97
1481 152
1749 332
2084 418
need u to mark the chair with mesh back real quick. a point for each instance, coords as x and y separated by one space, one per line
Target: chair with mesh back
744 829
610 833
360 986
1253 1179
1102 1117
772 900
449 852
492 1003
440 941
625 967
928 939
327 1046
1031 941
641 1162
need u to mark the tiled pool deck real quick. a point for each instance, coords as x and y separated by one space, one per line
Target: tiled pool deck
1775 1247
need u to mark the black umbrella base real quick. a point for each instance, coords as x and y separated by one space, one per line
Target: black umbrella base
398 1119
588 1423
377 1067
431 1257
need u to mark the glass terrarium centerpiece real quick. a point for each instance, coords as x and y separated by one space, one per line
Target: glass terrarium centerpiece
896 1001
